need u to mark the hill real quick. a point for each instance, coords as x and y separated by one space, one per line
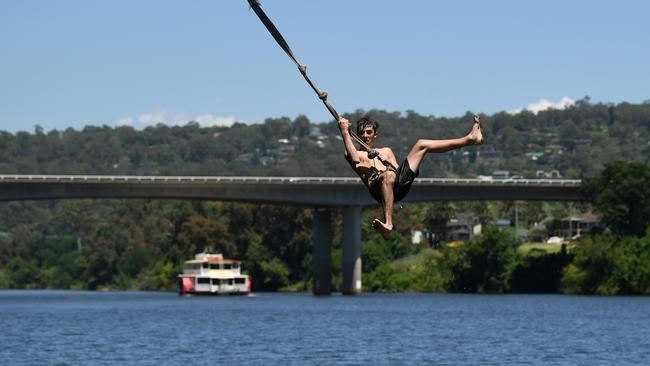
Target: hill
576 142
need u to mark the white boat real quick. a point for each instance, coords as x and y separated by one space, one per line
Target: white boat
211 274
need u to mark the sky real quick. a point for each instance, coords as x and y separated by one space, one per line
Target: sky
74 63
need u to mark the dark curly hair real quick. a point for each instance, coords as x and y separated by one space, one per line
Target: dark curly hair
366 121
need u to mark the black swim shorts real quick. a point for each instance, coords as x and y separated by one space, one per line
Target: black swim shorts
403 180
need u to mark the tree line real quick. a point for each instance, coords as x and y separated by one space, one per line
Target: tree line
576 141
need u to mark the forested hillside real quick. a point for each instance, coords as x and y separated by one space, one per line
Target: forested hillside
139 244
576 141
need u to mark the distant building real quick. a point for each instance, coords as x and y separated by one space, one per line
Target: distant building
534 155
317 136
554 150
285 150
461 228
458 230
551 174
246 157
264 160
316 133
575 225
502 223
501 174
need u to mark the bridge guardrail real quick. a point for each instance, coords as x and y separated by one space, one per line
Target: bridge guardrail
274 180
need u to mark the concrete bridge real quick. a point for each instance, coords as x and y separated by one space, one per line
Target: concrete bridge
322 193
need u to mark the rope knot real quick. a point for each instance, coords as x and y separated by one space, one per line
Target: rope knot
322 96
303 69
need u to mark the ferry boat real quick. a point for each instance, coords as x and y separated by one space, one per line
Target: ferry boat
212 274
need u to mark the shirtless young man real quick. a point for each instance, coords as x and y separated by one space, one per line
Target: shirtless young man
388 184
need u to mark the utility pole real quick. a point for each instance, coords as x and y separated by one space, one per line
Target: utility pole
516 217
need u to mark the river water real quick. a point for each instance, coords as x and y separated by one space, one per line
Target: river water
148 328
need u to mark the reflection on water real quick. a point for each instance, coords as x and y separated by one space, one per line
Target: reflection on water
65 327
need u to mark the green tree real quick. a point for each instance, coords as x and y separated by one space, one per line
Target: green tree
19 240
630 266
591 266
621 194
609 265
300 126
199 233
257 254
102 260
156 277
539 273
134 260
435 221
275 274
22 273
483 264
76 217
568 132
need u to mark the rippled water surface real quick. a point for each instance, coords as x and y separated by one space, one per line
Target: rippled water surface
93 328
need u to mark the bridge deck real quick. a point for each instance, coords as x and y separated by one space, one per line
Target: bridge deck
309 191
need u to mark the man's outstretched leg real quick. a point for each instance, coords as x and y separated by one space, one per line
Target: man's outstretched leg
385 228
422 147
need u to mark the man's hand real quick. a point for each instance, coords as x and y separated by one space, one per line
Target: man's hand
350 150
377 155
381 157
344 124
387 160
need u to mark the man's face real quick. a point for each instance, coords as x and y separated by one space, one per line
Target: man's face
368 135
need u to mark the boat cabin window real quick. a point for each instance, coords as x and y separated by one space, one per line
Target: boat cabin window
227 266
203 281
235 265
205 265
215 281
240 281
214 265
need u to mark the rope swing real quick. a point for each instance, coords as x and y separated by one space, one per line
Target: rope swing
254 4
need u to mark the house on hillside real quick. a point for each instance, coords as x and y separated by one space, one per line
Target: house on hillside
554 150
501 174
575 226
317 136
551 174
461 228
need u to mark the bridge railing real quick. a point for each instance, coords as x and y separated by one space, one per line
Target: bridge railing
273 180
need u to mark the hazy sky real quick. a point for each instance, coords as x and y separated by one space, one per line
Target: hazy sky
71 63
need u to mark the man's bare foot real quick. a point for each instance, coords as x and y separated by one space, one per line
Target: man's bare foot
382 228
476 135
